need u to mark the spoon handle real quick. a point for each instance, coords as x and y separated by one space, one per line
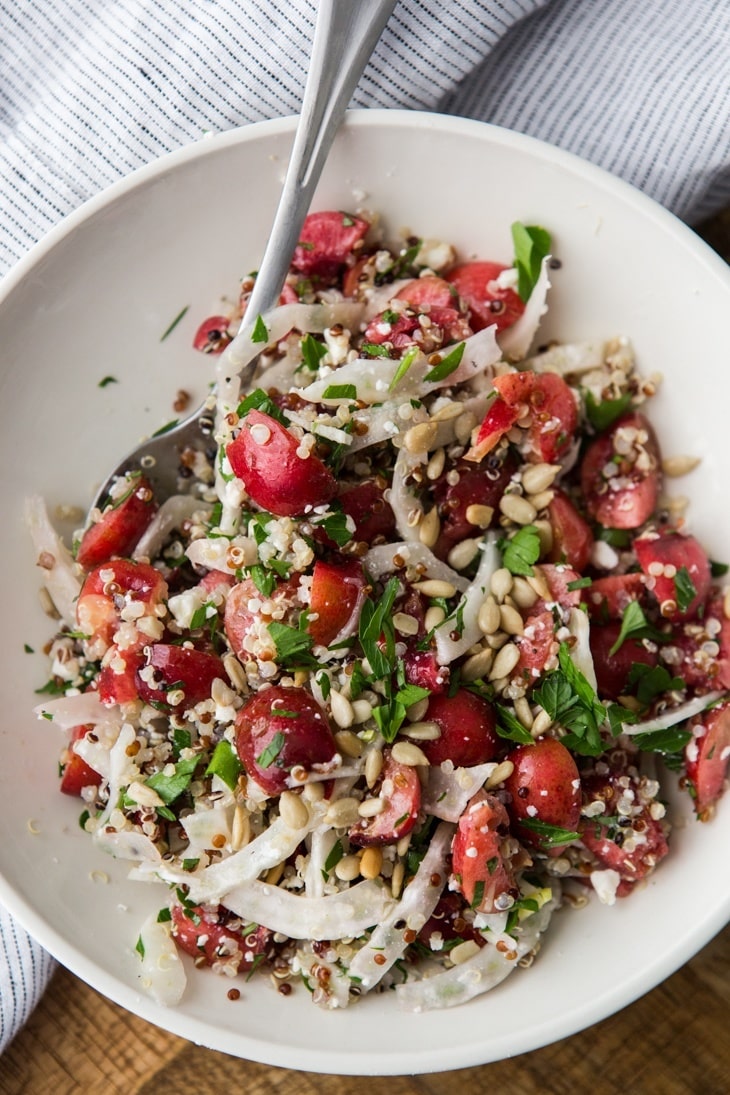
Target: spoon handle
345 35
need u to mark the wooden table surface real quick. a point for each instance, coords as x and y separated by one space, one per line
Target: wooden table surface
673 1041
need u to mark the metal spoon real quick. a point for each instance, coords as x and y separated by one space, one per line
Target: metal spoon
346 32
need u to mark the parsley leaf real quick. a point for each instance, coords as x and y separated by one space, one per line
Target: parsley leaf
292 645
335 526
169 788
602 414
312 352
447 365
268 755
569 699
671 740
373 349
652 681
340 391
225 764
634 625
404 365
259 400
260 331
532 245
551 836
684 588
510 727
521 551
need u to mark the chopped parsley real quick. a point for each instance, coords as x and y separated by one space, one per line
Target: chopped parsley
684 589
570 700
447 366
404 365
169 788
509 726
175 322
602 414
107 380
521 551
268 755
634 625
260 332
532 245
312 352
340 391
225 764
293 646
551 836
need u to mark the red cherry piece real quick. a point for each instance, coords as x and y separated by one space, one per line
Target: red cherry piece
337 594
265 457
480 871
279 730
488 304
621 487
707 756
467 724
544 787
400 789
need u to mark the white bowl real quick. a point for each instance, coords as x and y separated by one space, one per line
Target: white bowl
93 299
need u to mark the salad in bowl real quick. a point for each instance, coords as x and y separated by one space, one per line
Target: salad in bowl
406 666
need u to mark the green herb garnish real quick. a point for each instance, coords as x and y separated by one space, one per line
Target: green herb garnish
268 755
447 365
532 244
521 551
260 331
175 322
225 764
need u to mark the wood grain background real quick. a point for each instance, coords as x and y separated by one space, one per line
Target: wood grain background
673 1041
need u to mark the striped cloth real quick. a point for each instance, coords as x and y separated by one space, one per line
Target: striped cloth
91 89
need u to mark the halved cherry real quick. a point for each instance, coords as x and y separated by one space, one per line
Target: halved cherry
247 608
551 407
444 325
572 535
480 485
677 570
612 670
111 586
212 336
488 304
537 645
326 242
429 290
117 679
544 787
178 669
280 729
707 757
338 590
422 668
216 936
400 789
480 871
467 724
76 773
265 457
365 503
447 923
700 653
620 473
632 849
120 526
607 598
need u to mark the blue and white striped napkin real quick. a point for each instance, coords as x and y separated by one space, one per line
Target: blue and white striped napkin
91 89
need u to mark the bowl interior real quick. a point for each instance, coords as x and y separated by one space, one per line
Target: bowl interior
92 302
